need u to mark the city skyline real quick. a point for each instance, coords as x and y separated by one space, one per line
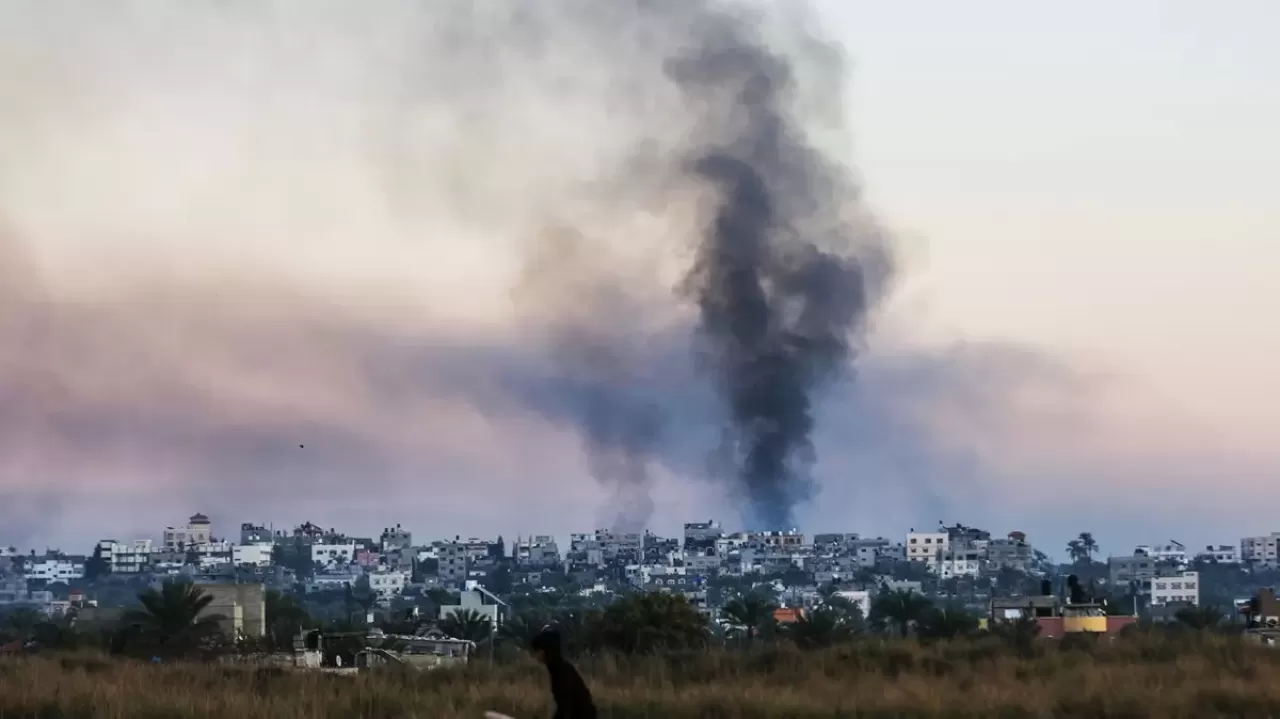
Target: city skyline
1080 338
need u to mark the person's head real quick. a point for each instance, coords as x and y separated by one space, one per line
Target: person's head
546 645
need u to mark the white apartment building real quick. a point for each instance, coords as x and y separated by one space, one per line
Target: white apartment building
127 558
927 547
1173 552
1262 551
1220 553
333 555
959 563
55 569
1182 587
252 555
388 583
198 530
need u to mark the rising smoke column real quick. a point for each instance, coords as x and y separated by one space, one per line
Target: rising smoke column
779 289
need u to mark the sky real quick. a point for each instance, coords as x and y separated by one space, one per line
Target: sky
289 261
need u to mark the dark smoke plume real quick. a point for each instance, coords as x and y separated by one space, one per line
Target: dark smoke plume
779 289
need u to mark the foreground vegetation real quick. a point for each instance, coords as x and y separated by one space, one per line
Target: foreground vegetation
1181 674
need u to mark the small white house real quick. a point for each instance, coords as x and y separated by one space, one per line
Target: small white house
1182 587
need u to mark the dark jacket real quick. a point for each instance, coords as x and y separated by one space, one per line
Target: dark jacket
571 695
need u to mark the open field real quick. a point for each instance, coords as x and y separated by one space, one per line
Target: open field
1196 675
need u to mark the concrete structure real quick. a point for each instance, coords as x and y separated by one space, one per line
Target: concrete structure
1182 588
537 550
927 547
333 555
242 607
955 562
1261 551
395 539
56 568
131 558
702 535
387 583
255 534
1220 554
1013 552
198 530
252 555
1174 553
479 600
1135 571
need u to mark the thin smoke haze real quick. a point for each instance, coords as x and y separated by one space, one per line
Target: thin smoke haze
324 261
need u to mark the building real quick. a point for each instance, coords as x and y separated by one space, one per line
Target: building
251 533
539 550
252 555
242 608
394 539
1262 551
1182 588
56 568
477 599
702 535
387 583
958 562
333 555
927 547
1013 551
1174 553
1135 571
197 531
1219 554
130 558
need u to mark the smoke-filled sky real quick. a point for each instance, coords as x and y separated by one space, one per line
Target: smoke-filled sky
427 263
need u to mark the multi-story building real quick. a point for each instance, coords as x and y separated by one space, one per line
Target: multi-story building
199 530
56 568
395 539
387 583
127 558
959 562
702 535
333 555
927 547
1220 554
1180 588
1262 551
1172 554
781 540
1134 572
251 533
252 555
539 550
1013 551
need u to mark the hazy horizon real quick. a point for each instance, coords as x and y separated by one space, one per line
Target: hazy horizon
280 262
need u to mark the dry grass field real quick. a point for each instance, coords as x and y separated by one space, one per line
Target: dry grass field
1192 675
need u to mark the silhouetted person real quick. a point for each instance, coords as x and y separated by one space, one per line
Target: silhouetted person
570 693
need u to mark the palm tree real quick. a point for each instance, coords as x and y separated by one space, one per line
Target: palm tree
641 623
819 628
520 629
1076 550
467 624
900 608
748 614
173 617
1089 545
